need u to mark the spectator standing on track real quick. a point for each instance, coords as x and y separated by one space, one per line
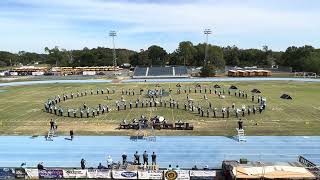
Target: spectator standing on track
145 158
101 166
137 158
109 161
124 158
83 163
40 166
154 158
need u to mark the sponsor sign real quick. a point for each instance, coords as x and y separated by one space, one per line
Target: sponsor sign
20 173
125 174
74 173
51 174
99 173
32 173
7 173
150 174
203 175
176 175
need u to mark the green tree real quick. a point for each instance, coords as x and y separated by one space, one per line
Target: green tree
231 55
3 64
185 53
295 57
157 55
134 59
312 63
57 56
208 70
215 56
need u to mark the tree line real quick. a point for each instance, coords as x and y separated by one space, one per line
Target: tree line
305 58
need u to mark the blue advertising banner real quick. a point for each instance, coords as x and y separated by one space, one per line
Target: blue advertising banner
51 174
7 173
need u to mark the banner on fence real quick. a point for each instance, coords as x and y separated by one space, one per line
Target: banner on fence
176 175
75 173
124 174
99 173
51 174
20 173
203 175
150 174
32 173
7 173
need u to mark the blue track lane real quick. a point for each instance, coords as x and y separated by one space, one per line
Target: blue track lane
185 151
158 80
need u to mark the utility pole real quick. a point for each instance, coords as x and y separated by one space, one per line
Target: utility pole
206 32
114 34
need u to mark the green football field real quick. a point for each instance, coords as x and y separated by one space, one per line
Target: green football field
22 109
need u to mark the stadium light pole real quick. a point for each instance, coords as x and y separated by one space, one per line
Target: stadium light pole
206 33
113 34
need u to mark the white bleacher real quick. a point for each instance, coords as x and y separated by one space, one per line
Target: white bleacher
160 72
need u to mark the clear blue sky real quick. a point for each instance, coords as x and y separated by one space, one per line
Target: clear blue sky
31 25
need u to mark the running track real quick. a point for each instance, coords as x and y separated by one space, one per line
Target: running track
157 80
184 150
